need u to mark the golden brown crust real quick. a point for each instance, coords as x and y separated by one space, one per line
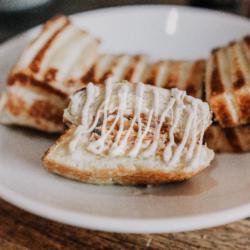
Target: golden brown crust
21 78
36 63
233 140
222 112
195 82
119 175
227 83
41 109
40 114
243 101
37 72
216 81
131 68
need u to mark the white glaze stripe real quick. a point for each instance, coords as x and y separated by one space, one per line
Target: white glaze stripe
167 154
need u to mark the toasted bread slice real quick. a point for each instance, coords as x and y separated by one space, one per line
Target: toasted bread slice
184 75
228 83
131 134
48 71
228 139
58 57
133 68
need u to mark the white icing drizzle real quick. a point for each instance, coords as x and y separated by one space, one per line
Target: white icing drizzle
97 146
193 132
189 146
178 152
151 150
75 105
138 106
108 92
90 98
122 107
76 138
92 92
178 95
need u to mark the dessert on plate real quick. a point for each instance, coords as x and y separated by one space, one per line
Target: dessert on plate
131 133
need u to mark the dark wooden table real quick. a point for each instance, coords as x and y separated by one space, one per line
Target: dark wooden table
22 230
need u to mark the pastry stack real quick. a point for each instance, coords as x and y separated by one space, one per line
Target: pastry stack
227 87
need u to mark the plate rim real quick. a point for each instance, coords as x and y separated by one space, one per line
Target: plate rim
121 225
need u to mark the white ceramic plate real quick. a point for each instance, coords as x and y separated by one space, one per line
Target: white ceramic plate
218 195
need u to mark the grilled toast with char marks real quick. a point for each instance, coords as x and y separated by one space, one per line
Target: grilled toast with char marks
228 83
233 140
48 71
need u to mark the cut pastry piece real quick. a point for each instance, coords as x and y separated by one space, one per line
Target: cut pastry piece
33 107
228 139
131 134
48 71
184 75
228 83
133 68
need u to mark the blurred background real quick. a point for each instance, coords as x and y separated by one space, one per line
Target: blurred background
19 15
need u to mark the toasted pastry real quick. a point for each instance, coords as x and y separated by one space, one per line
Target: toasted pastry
228 139
184 75
228 83
133 68
131 134
48 71
33 107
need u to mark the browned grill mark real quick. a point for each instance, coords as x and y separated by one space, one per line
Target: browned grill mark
153 73
222 113
15 105
20 77
90 75
246 39
238 75
35 64
232 43
173 76
209 134
109 71
177 138
45 110
47 25
216 84
192 90
131 68
240 82
51 75
214 50
23 79
244 106
194 82
233 139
